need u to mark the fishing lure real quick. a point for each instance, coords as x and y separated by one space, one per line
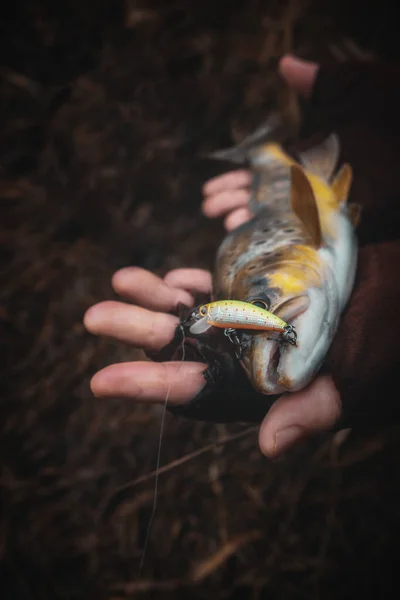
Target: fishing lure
231 315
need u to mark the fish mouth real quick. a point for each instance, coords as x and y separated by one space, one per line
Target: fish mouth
262 364
267 352
273 365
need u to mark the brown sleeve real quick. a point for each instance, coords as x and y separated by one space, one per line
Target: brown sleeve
360 101
365 357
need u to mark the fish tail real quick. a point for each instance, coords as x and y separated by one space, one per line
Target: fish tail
272 130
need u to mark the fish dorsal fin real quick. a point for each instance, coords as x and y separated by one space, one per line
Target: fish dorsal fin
342 183
354 213
322 159
273 129
304 204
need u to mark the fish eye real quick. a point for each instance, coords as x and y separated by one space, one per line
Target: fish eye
265 304
203 311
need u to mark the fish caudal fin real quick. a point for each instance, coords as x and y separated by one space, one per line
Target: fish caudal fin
304 204
273 129
322 159
342 183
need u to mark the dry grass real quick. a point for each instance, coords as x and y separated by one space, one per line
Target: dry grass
99 151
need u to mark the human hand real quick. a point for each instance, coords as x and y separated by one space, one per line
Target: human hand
146 324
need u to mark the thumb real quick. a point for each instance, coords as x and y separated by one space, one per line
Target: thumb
299 74
295 416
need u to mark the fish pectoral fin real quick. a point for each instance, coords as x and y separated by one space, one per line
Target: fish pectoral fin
341 183
304 204
354 211
290 309
200 326
322 159
273 129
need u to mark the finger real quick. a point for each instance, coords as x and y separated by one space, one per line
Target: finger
150 382
228 181
146 289
195 280
295 416
237 218
137 326
226 201
299 74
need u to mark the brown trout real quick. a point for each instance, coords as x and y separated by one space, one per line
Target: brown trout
296 257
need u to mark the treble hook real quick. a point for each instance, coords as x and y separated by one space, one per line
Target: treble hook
234 339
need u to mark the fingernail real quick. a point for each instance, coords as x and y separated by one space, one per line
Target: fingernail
286 437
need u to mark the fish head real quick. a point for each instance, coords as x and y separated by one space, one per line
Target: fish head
311 307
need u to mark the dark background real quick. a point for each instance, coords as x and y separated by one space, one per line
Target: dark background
105 107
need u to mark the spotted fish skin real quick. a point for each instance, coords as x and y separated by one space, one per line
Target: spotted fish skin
298 254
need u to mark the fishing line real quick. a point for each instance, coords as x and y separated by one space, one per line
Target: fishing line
164 411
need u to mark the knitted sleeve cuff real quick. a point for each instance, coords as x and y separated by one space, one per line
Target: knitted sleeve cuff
365 358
